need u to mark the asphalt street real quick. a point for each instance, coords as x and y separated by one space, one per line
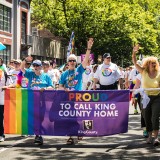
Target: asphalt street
127 146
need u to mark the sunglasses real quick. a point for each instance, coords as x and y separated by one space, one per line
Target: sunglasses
16 63
36 65
44 64
71 60
11 62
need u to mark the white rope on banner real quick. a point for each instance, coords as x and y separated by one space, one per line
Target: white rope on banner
146 89
145 98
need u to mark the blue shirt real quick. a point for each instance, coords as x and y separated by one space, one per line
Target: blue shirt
40 81
72 79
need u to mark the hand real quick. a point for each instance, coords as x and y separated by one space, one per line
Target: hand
67 89
42 89
136 48
29 58
94 87
4 88
90 43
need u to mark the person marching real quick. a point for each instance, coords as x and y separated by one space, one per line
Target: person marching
71 79
150 79
36 80
107 74
86 74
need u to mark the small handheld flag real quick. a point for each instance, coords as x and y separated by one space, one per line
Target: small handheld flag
71 45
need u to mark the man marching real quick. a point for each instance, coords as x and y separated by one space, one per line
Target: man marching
107 74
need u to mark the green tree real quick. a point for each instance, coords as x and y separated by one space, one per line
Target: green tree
116 25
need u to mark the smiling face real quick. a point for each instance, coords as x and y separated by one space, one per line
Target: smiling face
71 63
37 68
45 67
107 60
151 64
17 65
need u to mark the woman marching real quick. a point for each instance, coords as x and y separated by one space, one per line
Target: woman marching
150 79
71 79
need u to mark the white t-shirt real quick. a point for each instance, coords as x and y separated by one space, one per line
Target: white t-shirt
2 83
133 74
87 72
107 74
57 75
126 74
122 74
5 68
14 74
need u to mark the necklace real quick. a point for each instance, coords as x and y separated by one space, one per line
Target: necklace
72 82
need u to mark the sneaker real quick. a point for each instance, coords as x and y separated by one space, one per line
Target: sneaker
156 142
38 140
149 140
2 138
145 134
135 111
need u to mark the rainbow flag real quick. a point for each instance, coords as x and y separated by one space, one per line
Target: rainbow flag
71 45
19 113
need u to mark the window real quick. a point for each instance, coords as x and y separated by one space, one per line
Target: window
24 27
6 54
5 18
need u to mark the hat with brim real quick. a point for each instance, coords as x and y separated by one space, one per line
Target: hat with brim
106 55
18 61
46 63
37 62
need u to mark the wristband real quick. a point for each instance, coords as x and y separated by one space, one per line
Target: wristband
88 48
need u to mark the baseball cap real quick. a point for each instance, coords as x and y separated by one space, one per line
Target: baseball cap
38 62
106 55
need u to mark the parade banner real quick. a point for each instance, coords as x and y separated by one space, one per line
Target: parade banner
60 113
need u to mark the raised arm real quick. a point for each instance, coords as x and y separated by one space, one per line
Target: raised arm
89 46
22 67
134 60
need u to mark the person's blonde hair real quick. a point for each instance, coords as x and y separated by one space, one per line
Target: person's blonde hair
147 62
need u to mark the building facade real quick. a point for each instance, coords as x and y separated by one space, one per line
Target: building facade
14 27
21 39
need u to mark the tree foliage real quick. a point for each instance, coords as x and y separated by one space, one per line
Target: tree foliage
116 25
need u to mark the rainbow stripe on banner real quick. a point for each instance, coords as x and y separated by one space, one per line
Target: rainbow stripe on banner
19 111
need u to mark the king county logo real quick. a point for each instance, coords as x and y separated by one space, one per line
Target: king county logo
106 72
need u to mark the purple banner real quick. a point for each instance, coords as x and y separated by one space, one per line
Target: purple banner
83 113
